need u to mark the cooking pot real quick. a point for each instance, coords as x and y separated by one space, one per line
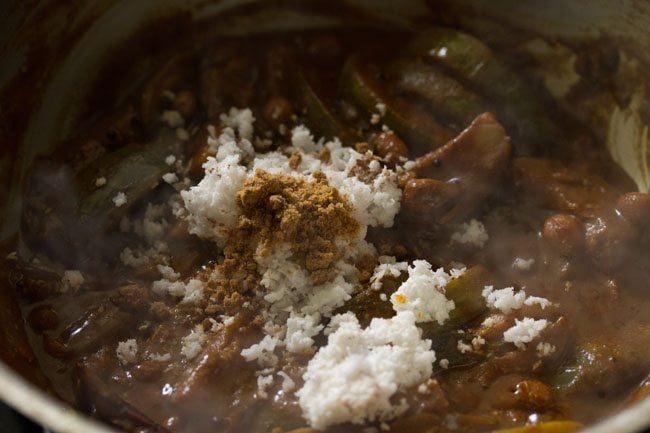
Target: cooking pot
53 51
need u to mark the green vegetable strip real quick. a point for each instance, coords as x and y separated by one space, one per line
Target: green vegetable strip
320 118
475 62
359 84
444 94
133 170
465 291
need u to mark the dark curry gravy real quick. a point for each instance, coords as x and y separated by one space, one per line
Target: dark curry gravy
561 225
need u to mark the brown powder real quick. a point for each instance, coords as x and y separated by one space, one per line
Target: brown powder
324 154
362 169
366 266
294 160
228 294
362 147
276 209
308 215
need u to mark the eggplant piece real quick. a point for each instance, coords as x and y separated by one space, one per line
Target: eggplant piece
508 361
133 170
360 84
475 63
466 292
607 364
95 397
481 150
467 170
429 202
600 366
33 281
367 303
445 95
490 30
219 375
102 323
320 117
132 120
220 352
468 57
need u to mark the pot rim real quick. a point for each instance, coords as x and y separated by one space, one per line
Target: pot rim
63 418
43 408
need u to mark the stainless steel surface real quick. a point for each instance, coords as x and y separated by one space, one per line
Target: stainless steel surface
52 50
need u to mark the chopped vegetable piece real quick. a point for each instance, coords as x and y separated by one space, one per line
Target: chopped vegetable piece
100 323
92 395
605 364
474 163
360 84
322 117
369 303
445 96
133 170
465 290
476 64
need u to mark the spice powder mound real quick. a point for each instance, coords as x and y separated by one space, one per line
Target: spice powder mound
277 209
308 215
